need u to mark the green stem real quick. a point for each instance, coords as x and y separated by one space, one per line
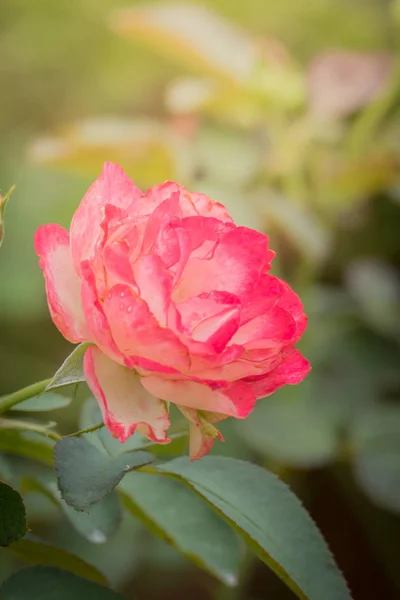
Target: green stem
87 430
26 426
30 391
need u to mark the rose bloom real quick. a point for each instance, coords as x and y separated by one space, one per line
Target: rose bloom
178 303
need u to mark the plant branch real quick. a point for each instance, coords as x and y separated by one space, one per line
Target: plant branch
35 389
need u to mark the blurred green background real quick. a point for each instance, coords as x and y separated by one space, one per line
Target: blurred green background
289 113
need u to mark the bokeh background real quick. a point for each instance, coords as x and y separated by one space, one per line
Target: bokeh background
289 113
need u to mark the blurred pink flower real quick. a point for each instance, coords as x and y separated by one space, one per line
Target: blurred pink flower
341 82
178 303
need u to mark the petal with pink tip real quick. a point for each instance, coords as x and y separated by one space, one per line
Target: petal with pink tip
63 286
95 317
290 302
276 325
202 432
236 400
112 187
235 266
125 404
291 370
137 333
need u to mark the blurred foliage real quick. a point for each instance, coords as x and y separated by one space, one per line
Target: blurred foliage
287 112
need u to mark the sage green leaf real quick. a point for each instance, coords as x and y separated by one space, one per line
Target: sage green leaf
270 518
140 442
71 371
174 513
45 402
48 583
27 444
12 515
375 442
86 475
97 526
33 550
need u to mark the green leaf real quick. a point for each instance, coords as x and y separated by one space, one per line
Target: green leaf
33 550
48 583
12 515
174 513
270 519
86 475
3 203
140 442
71 371
27 444
44 402
97 526
375 441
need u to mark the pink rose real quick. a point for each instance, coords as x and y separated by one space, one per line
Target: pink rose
178 303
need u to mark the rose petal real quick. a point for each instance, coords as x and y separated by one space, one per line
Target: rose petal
235 267
62 283
112 187
137 333
237 400
125 404
202 431
292 369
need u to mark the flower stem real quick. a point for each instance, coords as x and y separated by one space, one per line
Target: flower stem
7 402
87 430
26 426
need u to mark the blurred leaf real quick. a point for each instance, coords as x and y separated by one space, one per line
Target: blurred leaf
43 403
270 519
5 469
3 204
40 583
174 513
12 516
97 526
33 550
142 146
26 445
29 426
303 229
86 475
293 427
375 443
376 288
192 35
71 371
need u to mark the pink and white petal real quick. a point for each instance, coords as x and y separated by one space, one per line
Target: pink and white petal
290 302
202 432
167 212
125 404
155 286
207 207
112 187
237 400
276 325
63 286
96 319
137 333
292 369
262 298
218 330
235 267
